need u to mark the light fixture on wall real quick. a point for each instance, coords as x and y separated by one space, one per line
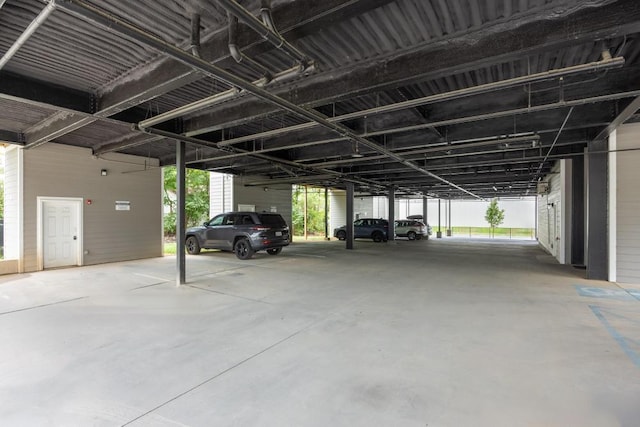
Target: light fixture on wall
103 172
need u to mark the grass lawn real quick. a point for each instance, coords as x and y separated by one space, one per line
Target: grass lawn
514 233
169 248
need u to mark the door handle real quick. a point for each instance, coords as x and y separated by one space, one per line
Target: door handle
75 238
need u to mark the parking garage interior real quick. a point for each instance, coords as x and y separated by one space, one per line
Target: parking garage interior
404 99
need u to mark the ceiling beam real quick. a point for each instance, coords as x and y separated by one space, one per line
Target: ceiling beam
625 115
480 48
294 20
38 92
164 75
7 136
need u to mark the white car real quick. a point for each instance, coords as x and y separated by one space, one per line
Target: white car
412 229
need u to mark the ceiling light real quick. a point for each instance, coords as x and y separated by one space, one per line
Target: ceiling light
356 151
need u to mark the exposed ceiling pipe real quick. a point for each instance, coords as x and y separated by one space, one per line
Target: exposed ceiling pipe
564 123
447 96
452 145
264 31
28 32
467 119
459 120
195 35
218 98
267 17
2 3
294 165
239 57
112 23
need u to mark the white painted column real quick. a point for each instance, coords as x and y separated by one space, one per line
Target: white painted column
613 200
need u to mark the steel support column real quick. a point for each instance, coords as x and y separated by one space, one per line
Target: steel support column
577 211
439 232
425 211
350 191
180 214
597 256
391 232
449 223
326 214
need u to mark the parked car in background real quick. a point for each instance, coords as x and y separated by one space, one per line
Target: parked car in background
366 228
244 233
412 229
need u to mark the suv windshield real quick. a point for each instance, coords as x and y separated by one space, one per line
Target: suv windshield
272 219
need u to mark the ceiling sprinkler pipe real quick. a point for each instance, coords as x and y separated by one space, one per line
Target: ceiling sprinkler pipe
108 21
604 64
184 110
271 36
239 57
218 98
28 32
267 18
195 35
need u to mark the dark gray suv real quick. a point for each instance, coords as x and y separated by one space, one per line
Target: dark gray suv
241 232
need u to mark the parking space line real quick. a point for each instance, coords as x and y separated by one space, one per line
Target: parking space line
43 305
623 341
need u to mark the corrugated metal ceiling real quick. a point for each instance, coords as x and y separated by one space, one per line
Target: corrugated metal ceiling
71 52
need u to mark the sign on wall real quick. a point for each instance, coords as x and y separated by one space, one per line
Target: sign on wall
123 205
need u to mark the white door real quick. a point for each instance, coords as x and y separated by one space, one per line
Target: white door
60 233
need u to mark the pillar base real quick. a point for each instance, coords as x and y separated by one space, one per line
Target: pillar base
448 233
439 234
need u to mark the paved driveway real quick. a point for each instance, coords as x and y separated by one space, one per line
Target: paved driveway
437 333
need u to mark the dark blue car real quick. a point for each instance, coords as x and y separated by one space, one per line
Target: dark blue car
366 228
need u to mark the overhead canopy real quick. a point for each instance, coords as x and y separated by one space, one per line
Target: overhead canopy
464 98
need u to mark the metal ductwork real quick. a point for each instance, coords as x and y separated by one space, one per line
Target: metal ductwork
264 31
239 57
195 35
267 17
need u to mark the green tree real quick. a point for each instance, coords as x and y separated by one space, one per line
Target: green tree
196 198
494 215
315 210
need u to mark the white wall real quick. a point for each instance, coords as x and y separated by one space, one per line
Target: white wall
626 254
337 209
220 193
271 198
554 213
520 213
547 210
229 192
55 170
13 204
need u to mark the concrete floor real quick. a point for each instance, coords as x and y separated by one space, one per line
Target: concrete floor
427 333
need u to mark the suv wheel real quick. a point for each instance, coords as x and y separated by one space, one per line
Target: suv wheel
243 249
192 245
274 251
341 235
411 235
377 236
